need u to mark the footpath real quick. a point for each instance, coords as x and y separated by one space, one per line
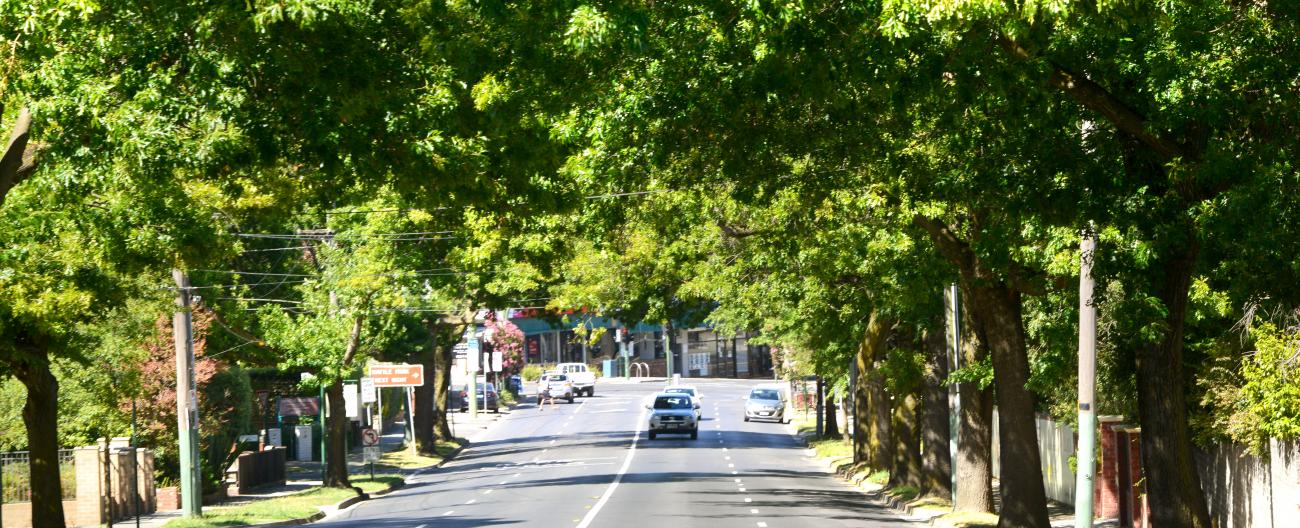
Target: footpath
930 511
303 477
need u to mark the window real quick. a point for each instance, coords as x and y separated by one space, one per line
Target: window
673 402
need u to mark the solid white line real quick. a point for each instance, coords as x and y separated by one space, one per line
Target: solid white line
609 491
471 501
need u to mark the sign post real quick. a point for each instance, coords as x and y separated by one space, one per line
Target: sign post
370 439
401 375
473 355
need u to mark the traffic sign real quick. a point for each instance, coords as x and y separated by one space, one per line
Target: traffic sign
368 391
369 437
372 455
397 375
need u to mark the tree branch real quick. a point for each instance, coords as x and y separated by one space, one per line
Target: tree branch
1098 99
19 159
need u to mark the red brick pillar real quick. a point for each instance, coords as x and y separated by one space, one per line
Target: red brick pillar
1106 491
1139 502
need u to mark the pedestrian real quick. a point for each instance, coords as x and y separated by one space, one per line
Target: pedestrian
544 394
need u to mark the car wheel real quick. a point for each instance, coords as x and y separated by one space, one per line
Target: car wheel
591 391
652 435
746 418
695 434
570 398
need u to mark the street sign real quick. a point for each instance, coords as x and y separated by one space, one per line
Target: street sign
350 403
368 391
496 361
372 454
298 407
369 437
473 354
397 375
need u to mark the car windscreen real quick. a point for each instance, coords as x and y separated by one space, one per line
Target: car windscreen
765 394
673 402
556 377
682 391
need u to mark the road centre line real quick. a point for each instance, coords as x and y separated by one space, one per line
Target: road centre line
618 477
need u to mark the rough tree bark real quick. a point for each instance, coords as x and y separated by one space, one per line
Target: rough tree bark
871 413
19 159
42 435
974 464
936 463
995 310
832 424
1173 486
336 466
906 470
426 404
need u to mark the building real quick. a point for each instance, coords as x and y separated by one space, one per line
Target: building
697 352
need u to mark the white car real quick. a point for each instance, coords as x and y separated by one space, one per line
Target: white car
557 385
584 380
688 390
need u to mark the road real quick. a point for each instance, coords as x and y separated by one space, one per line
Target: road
590 464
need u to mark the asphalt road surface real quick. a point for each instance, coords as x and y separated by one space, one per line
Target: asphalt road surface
590 464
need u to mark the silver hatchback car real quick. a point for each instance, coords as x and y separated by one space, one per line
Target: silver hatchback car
766 403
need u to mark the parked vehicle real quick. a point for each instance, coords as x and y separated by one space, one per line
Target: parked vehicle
689 390
488 399
673 413
766 402
515 384
584 380
558 385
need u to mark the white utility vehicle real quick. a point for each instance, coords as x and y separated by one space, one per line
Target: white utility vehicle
584 380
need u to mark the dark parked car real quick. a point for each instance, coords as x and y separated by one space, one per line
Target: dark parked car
488 402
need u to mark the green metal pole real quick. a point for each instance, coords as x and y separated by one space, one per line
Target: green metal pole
1083 484
187 412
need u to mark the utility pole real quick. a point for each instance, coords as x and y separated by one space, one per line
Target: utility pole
187 408
954 395
1083 485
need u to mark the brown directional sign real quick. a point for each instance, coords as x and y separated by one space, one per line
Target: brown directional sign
397 375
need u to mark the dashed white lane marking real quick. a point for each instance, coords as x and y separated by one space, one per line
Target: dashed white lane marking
502 483
471 501
731 465
488 491
448 512
742 490
735 472
747 499
762 524
421 526
536 459
515 475
726 458
737 481
753 510
552 442
618 477
545 450
724 449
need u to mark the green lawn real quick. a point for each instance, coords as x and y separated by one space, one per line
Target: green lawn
294 506
406 459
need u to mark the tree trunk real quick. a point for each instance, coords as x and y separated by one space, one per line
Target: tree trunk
906 470
936 480
871 413
832 425
426 404
443 358
1024 500
40 416
974 464
336 467
1173 486
336 457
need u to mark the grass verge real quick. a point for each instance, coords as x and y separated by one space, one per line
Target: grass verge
284 508
409 459
968 520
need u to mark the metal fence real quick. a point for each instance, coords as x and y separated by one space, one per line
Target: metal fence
16 476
